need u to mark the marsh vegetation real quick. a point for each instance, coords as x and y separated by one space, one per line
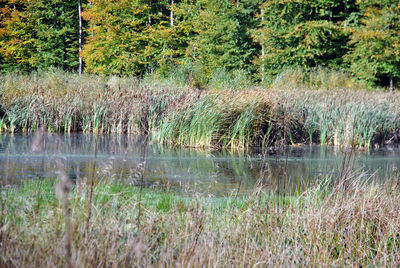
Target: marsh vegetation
291 111
344 223
247 78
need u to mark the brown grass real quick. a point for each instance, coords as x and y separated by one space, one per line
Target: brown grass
349 223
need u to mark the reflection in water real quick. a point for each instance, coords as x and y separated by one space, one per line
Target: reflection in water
217 173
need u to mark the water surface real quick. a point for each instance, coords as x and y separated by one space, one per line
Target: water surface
191 170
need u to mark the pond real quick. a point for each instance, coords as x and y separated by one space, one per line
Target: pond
211 172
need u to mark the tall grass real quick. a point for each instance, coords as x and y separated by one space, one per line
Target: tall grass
257 117
319 78
63 102
228 119
182 114
350 222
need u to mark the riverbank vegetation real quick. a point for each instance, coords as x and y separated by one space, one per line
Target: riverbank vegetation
295 109
338 221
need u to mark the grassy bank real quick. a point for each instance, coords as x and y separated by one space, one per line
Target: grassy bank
349 223
177 113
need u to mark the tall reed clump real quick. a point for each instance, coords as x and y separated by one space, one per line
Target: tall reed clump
349 223
355 118
227 119
230 118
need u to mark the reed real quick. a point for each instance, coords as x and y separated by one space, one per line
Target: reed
337 222
64 102
319 78
236 118
256 117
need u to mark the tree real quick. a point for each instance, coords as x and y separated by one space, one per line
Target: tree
169 38
5 12
40 34
118 32
222 37
16 37
376 54
299 33
80 35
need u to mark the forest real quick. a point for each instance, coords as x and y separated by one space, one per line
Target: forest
254 39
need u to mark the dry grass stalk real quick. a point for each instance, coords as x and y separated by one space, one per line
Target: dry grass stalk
141 169
63 188
325 226
91 185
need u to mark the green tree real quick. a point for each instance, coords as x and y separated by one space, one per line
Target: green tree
40 34
169 38
376 54
222 37
117 36
299 33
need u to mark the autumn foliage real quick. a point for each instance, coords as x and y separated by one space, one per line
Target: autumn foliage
258 38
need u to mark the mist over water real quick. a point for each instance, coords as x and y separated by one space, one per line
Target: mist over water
190 170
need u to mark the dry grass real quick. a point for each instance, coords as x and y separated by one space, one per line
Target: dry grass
331 224
61 102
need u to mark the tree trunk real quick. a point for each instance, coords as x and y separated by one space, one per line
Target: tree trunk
91 21
391 84
172 14
262 48
80 36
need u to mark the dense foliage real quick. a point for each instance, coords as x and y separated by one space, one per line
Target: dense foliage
259 39
38 35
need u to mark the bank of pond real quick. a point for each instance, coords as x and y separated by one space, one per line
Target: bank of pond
200 117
